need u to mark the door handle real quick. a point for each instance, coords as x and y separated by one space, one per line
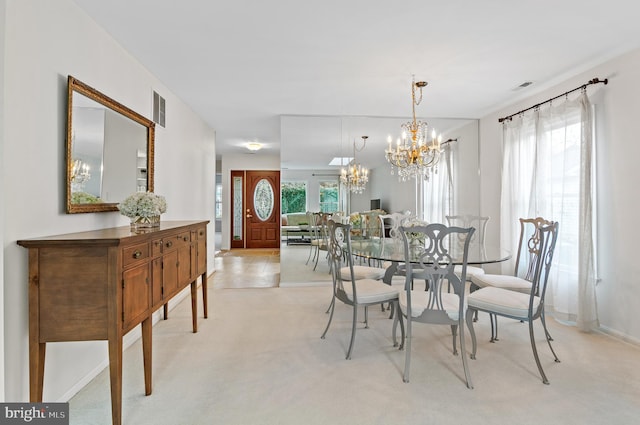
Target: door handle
249 215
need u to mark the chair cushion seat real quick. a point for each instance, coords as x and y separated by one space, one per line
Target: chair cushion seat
471 271
371 291
512 283
362 272
502 301
420 300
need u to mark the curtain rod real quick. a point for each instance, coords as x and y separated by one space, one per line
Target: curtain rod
584 86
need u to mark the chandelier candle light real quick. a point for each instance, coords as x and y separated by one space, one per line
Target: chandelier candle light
355 177
414 154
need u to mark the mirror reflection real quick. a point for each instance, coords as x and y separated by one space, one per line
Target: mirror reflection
453 190
109 151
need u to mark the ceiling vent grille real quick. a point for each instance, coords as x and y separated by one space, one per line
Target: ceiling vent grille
158 109
523 85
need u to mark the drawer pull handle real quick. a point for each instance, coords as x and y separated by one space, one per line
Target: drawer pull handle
186 238
137 254
169 244
201 233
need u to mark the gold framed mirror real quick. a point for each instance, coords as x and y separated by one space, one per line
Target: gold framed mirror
109 150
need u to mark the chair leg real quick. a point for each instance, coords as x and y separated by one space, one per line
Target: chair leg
474 345
407 358
333 300
309 256
544 325
353 330
535 353
454 333
332 307
463 349
494 327
366 317
397 318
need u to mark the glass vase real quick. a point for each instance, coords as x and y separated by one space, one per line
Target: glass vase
141 223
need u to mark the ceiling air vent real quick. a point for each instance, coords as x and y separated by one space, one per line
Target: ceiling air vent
523 85
158 109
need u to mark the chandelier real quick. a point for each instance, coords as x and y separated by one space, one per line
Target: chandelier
415 155
79 175
355 176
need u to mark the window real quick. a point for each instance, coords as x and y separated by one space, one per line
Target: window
294 197
547 172
219 201
329 191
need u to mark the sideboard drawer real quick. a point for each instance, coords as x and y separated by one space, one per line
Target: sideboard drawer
156 247
135 253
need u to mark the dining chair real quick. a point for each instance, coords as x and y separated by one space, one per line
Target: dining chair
392 222
352 292
430 261
320 235
528 257
525 306
313 235
477 241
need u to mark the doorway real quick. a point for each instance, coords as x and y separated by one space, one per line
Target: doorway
255 209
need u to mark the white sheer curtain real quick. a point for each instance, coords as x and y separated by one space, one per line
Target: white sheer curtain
547 173
438 191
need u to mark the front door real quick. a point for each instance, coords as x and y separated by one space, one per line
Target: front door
263 209
255 209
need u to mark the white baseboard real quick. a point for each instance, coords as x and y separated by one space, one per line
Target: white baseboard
619 335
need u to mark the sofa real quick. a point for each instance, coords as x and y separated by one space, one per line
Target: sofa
295 227
294 220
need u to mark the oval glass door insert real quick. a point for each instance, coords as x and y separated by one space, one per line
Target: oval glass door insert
263 200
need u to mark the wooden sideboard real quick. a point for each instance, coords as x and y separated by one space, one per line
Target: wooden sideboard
98 285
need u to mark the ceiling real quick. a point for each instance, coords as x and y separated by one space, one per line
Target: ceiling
252 69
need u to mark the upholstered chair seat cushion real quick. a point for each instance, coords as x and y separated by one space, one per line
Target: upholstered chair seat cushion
502 301
471 271
371 291
420 300
362 272
512 283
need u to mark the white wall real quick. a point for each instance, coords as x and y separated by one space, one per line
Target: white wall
394 195
44 43
618 174
240 162
2 197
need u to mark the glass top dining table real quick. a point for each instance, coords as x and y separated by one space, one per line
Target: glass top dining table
392 250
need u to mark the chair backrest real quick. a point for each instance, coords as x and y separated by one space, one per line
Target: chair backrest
395 220
339 247
529 247
547 235
468 220
432 261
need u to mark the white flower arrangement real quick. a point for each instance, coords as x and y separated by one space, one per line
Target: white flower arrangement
143 204
414 236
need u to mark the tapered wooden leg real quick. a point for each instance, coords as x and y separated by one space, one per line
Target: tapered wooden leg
146 353
194 305
205 302
115 372
36 366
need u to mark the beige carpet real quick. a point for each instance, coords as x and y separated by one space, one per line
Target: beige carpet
259 359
